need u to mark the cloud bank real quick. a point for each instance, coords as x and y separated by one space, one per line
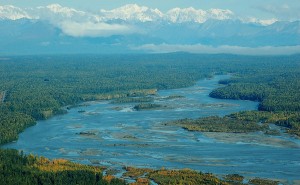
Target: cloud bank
92 29
198 48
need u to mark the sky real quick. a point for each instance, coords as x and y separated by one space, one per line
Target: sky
286 10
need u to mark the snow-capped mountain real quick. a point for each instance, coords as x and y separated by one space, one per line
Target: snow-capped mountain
128 13
56 14
177 15
58 29
13 13
64 11
132 12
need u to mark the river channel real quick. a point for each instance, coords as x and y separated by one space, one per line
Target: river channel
116 135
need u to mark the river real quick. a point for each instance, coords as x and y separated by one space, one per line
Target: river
119 136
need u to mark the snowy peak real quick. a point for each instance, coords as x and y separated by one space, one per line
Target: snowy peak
56 12
65 11
132 12
128 14
178 15
220 14
13 13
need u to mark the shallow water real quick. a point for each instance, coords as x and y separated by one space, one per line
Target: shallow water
120 136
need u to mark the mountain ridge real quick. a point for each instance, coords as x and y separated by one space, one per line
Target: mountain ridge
129 12
67 30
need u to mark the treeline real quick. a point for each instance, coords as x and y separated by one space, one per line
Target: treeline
290 119
147 106
17 168
276 90
244 122
133 100
189 177
176 177
220 124
12 123
165 177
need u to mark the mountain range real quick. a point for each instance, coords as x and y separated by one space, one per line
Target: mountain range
135 29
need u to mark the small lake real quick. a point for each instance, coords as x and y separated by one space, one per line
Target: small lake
122 136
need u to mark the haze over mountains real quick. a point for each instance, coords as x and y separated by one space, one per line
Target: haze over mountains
133 29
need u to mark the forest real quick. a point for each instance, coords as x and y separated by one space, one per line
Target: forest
220 124
244 122
276 90
18 168
39 87
189 177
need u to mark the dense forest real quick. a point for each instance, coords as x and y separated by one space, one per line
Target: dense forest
38 87
17 168
244 122
277 90
220 124
190 177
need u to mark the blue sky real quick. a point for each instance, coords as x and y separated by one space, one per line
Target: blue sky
279 9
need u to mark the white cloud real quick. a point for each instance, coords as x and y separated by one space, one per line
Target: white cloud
91 29
264 22
198 48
